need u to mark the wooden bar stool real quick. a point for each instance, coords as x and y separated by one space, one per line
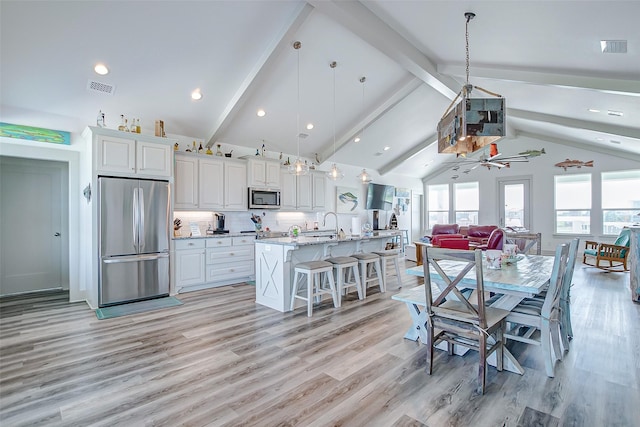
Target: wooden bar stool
365 262
315 281
347 275
393 256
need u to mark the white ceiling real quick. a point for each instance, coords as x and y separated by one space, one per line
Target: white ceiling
542 56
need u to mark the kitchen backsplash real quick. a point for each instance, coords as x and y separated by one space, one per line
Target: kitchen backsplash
274 220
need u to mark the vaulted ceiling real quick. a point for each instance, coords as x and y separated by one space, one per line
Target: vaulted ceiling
544 57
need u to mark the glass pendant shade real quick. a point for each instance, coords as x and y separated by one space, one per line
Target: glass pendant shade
334 173
299 167
364 177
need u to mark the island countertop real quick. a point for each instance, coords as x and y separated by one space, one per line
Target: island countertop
321 240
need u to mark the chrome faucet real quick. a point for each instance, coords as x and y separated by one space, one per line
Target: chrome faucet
324 220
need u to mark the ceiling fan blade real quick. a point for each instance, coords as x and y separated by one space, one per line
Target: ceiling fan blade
498 165
494 157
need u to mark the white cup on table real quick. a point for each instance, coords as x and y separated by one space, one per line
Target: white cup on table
494 259
509 249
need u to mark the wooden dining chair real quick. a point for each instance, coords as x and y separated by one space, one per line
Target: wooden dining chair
456 318
530 316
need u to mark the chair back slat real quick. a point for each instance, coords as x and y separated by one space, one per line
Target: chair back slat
556 281
464 309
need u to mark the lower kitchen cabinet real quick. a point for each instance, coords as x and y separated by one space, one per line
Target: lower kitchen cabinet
225 261
190 263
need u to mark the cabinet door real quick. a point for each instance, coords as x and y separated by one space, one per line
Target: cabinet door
116 154
272 174
211 184
235 186
153 159
288 195
186 183
319 192
190 267
257 173
304 192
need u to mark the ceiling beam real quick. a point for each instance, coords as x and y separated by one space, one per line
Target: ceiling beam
433 139
397 94
608 150
253 80
369 27
630 87
575 123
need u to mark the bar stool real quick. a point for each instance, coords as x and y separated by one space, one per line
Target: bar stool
315 281
366 260
389 255
346 267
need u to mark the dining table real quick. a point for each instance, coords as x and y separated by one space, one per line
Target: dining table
524 277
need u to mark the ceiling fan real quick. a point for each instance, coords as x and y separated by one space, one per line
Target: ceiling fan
495 159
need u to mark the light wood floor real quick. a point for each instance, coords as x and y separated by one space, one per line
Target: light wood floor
220 359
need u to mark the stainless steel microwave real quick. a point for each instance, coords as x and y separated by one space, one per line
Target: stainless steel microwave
264 198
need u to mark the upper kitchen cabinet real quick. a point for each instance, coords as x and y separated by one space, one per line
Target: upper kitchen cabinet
263 173
209 183
130 154
304 192
319 190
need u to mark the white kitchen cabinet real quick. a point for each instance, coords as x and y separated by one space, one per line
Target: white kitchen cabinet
186 183
263 173
304 192
319 190
190 263
206 183
131 154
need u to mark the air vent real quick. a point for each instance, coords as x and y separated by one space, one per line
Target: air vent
613 46
95 86
303 135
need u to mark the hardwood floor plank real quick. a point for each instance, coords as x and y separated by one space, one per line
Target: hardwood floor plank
220 359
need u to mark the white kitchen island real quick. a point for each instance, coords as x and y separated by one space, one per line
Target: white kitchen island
276 259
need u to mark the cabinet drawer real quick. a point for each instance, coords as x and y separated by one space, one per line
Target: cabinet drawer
239 241
189 244
221 242
230 271
229 254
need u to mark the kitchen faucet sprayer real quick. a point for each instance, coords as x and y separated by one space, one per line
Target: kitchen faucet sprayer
324 220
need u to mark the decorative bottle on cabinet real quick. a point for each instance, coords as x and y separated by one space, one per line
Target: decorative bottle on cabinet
123 123
137 125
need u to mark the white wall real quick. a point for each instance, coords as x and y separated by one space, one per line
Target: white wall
542 170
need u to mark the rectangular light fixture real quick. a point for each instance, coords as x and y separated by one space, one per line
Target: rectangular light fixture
471 124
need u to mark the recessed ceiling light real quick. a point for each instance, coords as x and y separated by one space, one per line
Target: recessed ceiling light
615 113
309 126
101 69
387 148
599 138
196 95
356 139
593 110
261 113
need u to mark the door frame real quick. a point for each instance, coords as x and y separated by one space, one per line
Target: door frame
527 180
39 150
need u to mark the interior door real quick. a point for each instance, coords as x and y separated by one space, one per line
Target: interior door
514 198
33 201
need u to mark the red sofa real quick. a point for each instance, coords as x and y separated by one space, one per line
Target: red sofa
479 234
475 236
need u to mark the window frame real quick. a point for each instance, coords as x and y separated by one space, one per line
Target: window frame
589 210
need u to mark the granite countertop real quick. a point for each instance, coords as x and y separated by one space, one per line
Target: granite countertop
217 236
306 241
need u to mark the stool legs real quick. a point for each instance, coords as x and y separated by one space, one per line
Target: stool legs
366 277
316 286
343 274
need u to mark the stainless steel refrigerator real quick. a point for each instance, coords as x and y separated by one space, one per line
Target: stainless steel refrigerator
134 240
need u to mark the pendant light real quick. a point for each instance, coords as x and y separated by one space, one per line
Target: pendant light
364 177
473 122
298 167
334 173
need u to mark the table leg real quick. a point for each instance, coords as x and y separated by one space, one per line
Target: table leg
419 319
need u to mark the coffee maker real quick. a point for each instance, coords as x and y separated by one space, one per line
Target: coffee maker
220 224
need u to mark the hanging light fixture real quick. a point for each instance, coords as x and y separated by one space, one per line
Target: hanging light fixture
298 167
473 122
334 173
364 177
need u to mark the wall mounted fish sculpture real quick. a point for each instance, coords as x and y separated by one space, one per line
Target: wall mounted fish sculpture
574 164
532 153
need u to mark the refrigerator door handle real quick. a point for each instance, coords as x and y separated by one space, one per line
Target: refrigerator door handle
134 258
141 214
135 219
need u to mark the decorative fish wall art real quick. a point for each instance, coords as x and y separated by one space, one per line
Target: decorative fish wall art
533 153
574 164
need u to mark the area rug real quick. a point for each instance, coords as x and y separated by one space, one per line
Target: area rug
136 307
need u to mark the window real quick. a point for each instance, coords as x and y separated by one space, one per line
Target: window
466 202
573 204
620 200
438 202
